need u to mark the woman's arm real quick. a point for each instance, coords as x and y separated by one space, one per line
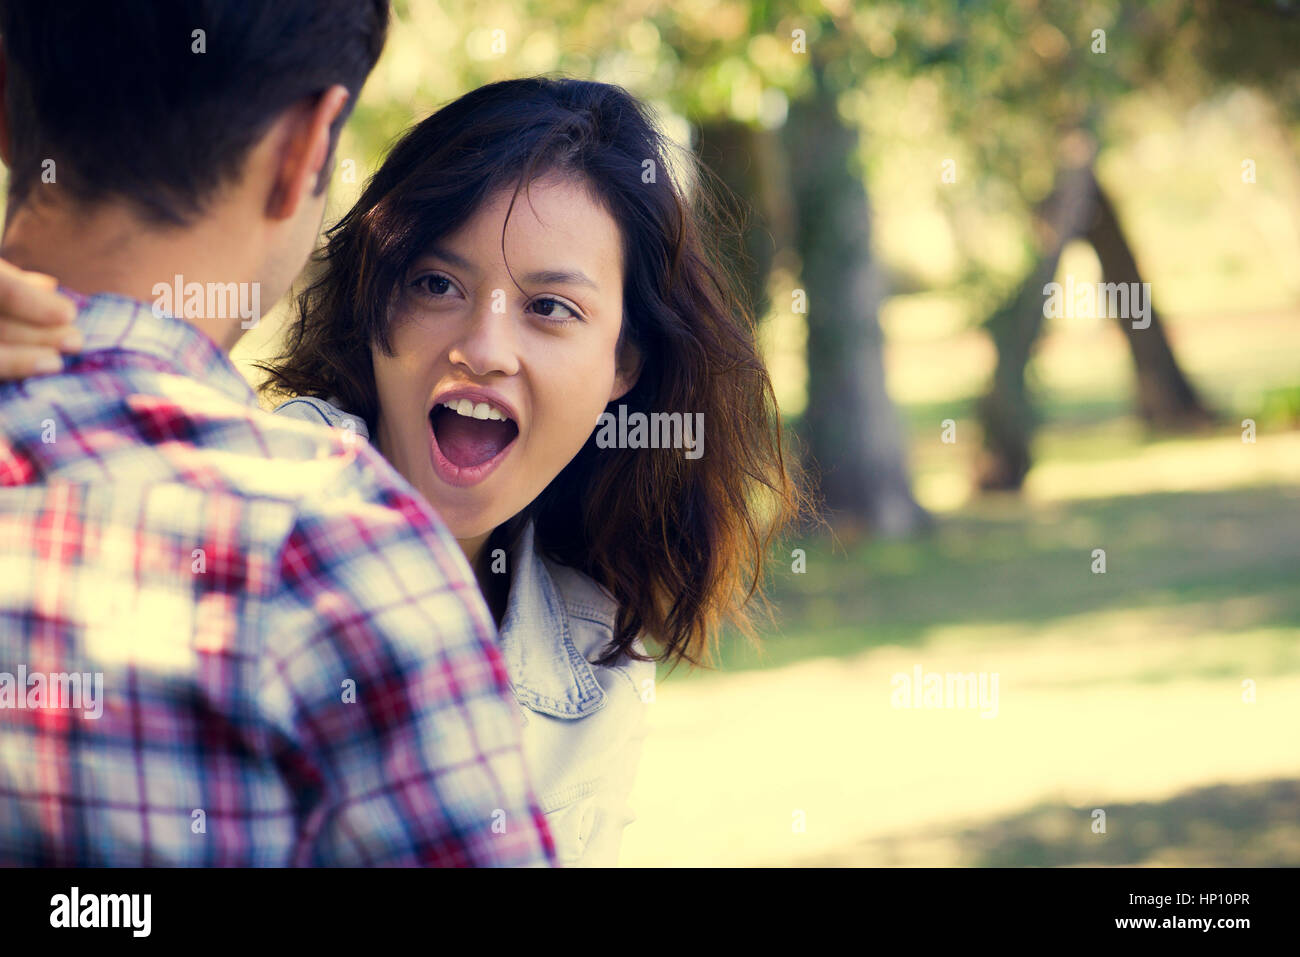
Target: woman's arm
35 323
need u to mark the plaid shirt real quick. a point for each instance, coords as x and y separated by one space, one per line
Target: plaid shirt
297 666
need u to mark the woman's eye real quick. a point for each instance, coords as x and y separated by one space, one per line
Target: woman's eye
546 307
433 285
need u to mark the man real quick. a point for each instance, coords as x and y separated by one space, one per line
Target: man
226 638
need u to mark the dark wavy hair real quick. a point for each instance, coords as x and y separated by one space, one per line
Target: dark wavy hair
680 543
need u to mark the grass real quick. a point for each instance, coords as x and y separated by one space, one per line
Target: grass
1017 567
1243 825
1165 691
1182 519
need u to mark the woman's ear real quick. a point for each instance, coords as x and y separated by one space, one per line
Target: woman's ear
628 371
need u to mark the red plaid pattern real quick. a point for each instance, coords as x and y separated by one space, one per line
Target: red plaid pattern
296 665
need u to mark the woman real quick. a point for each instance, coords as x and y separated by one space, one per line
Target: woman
523 264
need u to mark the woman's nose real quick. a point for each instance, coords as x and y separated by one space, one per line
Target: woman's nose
487 344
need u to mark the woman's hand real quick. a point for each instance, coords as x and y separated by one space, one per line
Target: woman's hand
35 323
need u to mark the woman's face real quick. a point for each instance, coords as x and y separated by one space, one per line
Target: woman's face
529 372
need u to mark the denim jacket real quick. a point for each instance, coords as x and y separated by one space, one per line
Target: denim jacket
584 723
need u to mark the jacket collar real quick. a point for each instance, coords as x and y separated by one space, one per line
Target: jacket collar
546 670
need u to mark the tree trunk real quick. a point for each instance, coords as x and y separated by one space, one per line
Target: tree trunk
1077 207
1165 398
1005 411
851 427
749 163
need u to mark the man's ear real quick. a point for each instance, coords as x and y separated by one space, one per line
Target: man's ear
6 152
628 371
303 151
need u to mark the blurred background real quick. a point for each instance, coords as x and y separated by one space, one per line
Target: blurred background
1100 522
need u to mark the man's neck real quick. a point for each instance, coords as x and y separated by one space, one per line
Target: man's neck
106 249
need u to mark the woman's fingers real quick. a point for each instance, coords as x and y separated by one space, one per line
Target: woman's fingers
35 323
40 279
33 314
63 337
19 362
31 298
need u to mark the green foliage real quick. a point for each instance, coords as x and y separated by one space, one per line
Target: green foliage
1281 407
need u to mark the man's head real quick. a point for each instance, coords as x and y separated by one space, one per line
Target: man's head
174 109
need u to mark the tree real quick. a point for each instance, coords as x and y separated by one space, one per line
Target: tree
851 425
1165 397
1166 44
750 163
1005 411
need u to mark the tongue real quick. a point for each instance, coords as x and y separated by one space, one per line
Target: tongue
465 441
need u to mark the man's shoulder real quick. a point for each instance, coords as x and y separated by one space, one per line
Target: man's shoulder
125 426
116 418
349 507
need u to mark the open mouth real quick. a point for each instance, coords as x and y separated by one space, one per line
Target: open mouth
469 439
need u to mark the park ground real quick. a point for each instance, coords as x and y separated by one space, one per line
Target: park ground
1164 692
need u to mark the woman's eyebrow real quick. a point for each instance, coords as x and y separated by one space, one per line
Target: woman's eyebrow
437 252
574 277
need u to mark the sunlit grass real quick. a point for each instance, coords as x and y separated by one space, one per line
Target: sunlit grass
1164 691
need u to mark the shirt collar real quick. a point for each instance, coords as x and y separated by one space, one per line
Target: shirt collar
547 671
110 322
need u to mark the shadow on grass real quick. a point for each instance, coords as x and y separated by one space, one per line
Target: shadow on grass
1244 825
1006 562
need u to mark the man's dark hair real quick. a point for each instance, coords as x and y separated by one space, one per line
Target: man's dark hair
131 101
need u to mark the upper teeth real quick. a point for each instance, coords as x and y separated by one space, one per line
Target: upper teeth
480 410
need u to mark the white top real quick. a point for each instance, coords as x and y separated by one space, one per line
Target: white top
584 723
